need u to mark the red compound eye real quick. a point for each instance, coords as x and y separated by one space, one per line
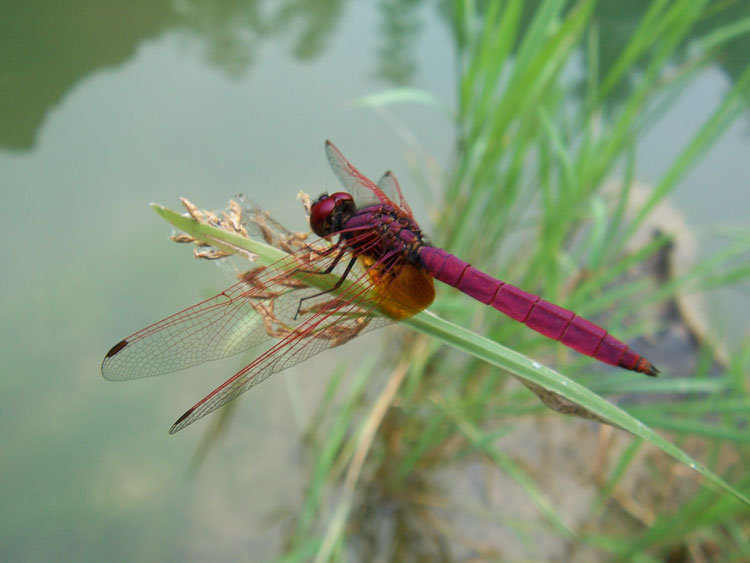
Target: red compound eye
323 211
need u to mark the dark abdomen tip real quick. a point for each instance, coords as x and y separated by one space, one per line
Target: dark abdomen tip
644 366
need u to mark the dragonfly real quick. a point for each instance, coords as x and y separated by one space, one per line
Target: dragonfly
383 269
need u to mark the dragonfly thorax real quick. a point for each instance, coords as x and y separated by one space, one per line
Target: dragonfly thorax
384 233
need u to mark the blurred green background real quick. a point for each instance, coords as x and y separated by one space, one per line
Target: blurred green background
105 107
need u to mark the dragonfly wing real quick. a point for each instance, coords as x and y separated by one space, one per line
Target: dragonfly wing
392 189
260 225
335 321
221 326
245 315
364 191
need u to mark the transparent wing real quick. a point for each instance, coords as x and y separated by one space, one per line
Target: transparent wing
328 321
259 224
266 304
364 191
229 323
392 189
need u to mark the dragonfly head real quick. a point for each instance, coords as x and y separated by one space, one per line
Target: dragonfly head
329 212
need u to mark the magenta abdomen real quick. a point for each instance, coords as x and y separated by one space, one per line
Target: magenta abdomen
549 319
478 284
583 336
514 302
544 317
442 265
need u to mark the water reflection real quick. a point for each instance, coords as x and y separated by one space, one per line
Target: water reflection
47 50
401 27
233 32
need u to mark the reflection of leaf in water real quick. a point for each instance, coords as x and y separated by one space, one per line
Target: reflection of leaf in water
233 31
400 29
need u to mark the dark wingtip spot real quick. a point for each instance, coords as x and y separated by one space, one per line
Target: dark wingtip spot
116 348
175 427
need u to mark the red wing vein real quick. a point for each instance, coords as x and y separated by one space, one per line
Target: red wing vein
226 324
335 321
362 188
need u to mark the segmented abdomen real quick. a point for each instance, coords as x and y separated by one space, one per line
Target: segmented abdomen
544 317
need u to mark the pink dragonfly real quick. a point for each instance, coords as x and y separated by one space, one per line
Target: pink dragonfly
386 271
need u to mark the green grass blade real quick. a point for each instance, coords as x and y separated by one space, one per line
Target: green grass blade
527 370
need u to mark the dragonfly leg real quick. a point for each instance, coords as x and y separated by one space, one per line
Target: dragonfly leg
330 267
328 250
328 270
